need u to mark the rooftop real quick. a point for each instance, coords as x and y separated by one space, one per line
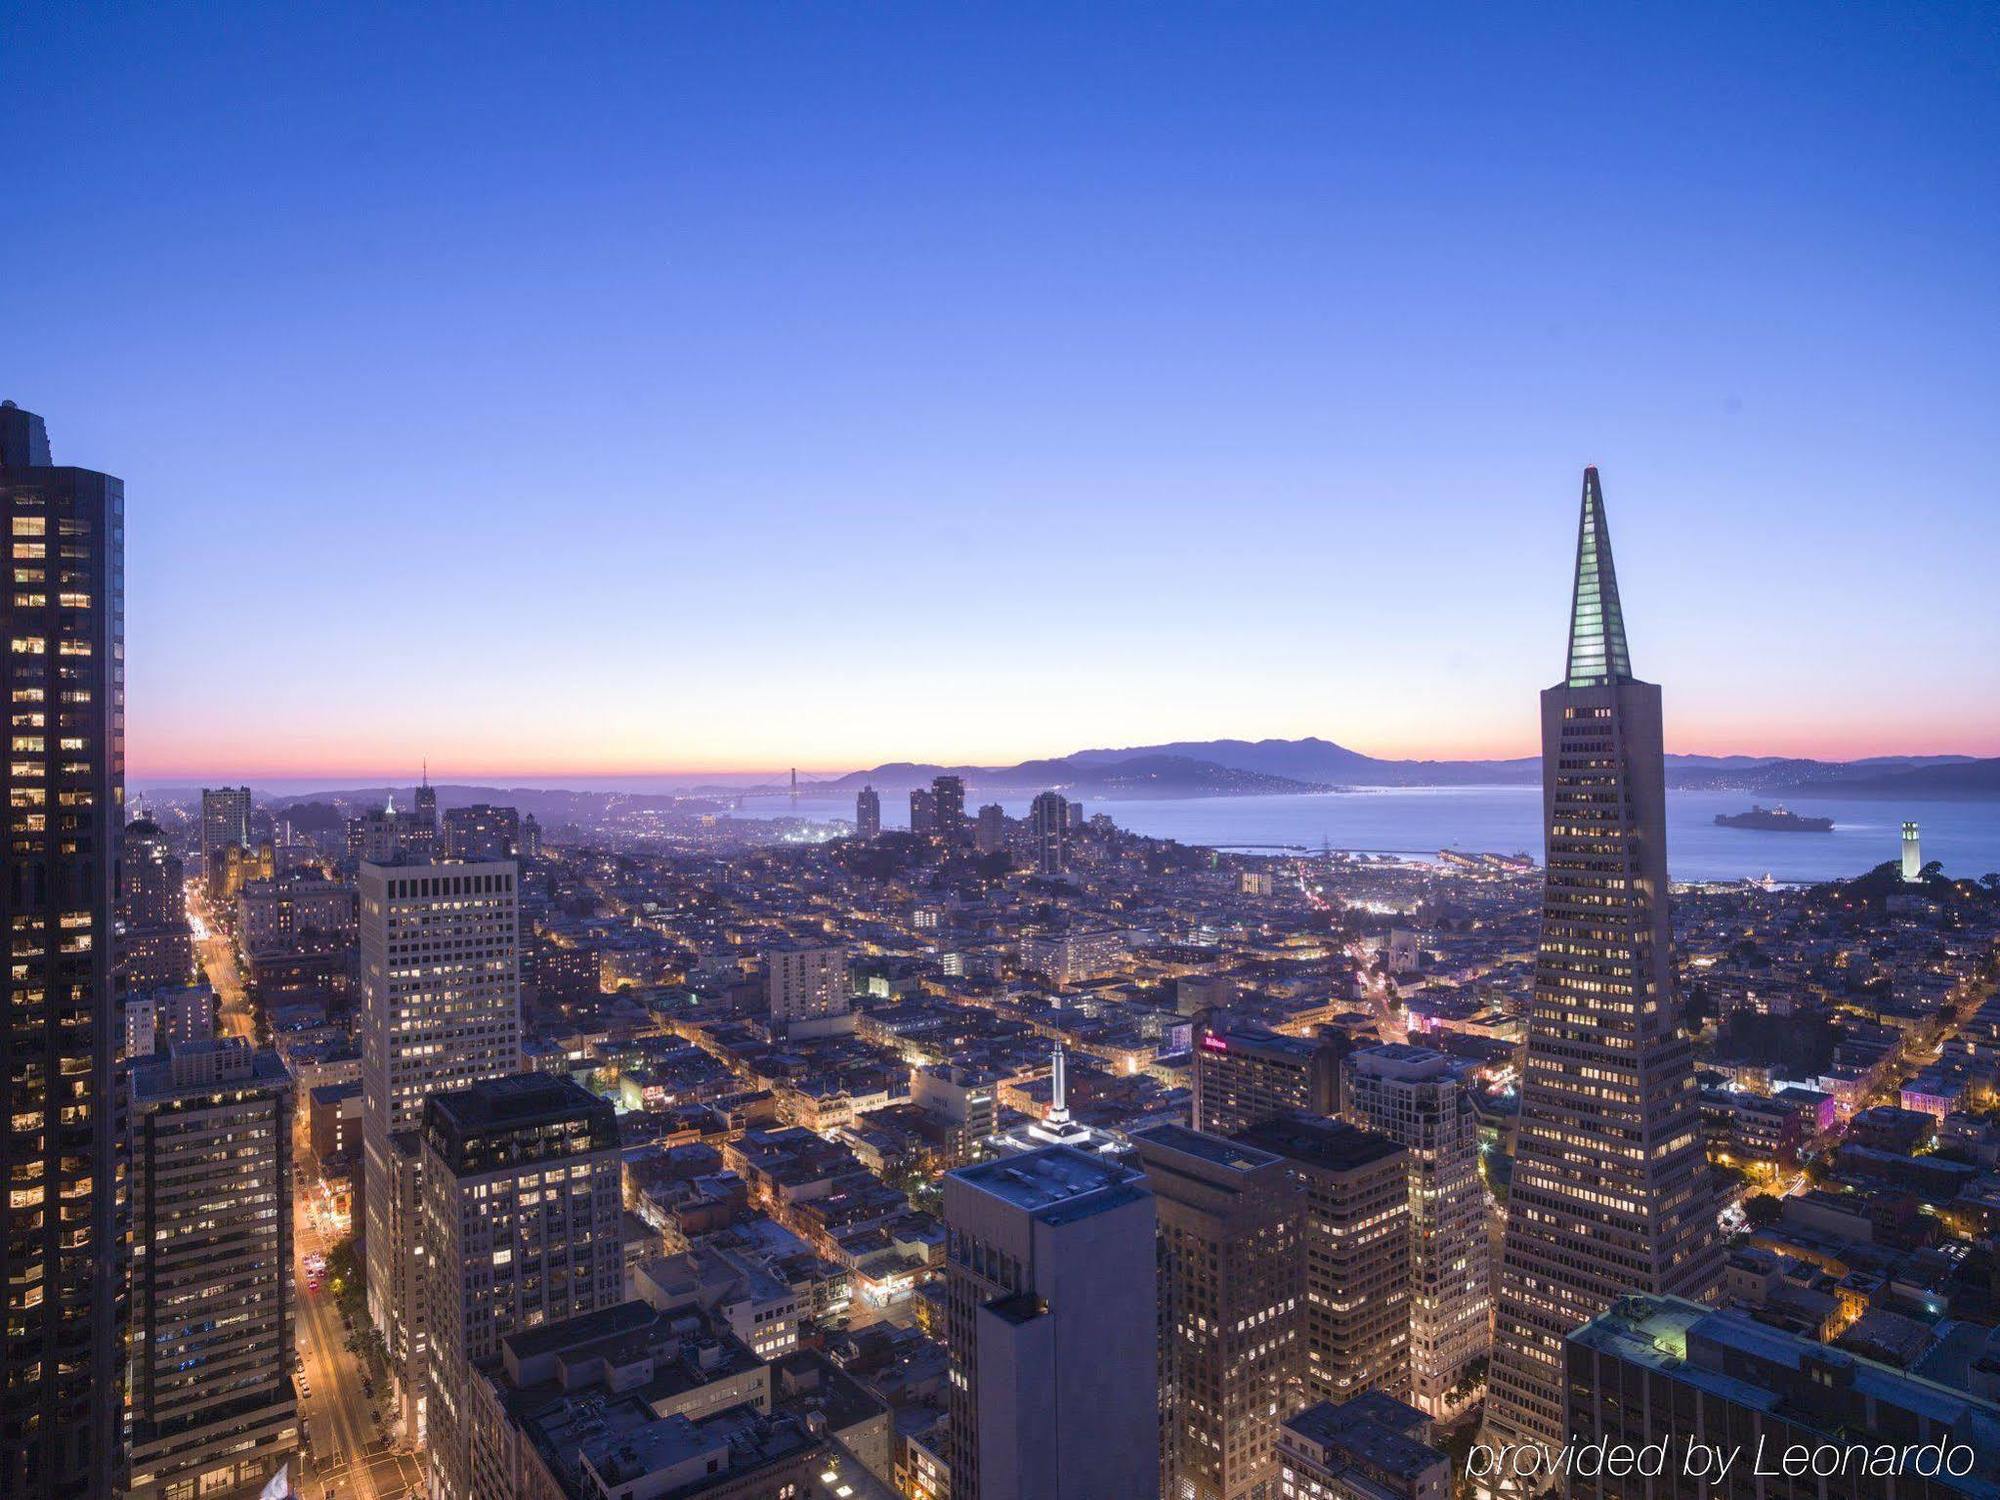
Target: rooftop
1320 1142
1055 1182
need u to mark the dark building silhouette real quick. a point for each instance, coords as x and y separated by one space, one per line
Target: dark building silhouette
63 1249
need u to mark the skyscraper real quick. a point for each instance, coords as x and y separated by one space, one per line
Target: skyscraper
867 813
1048 822
520 1229
1357 1233
424 803
213 1410
440 1009
225 820
1411 1095
1051 1297
948 802
1232 1309
1611 1192
63 1251
923 811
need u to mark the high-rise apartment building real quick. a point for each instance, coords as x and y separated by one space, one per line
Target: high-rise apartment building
948 803
1245 1074
225 821
1414 1096
213 1408
867 813
1357 1292
1611 1191
1048 826
440 1010
923 811
157 948
153 892
1051 1289
481 831
1232 1309
520 1223
804 984
1656 1370
989 834
531 839
63 1251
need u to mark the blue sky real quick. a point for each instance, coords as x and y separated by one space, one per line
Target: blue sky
655 387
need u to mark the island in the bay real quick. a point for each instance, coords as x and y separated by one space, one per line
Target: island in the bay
1775 820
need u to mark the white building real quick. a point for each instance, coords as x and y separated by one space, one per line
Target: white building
440 1010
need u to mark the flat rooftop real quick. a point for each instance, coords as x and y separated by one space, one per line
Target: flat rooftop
1055 1181
1215 1149
1319 1142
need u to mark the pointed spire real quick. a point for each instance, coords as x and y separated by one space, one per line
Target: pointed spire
1059 1089
1597 651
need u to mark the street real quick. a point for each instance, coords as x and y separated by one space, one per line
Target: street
348 1452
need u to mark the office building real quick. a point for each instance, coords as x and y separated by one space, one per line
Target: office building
1245 1074
440 1010
1655 1370
1051 1323
1913 855
1048 827
1358 1253
481 831
531 839
62 1235
804 984
1371 1447
520 1227
213 1408
948 806
1610 1191
1232 1309
923 811
225 824
867 814
1413 1096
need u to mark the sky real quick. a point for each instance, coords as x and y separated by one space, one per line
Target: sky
629 389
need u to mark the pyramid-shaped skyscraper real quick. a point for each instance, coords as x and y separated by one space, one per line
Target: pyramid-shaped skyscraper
1611 1190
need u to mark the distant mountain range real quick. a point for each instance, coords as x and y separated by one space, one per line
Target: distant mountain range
1200 768
1213 768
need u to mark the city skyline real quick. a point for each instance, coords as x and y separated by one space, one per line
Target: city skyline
1249 378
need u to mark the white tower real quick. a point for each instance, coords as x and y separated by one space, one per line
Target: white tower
1913 858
